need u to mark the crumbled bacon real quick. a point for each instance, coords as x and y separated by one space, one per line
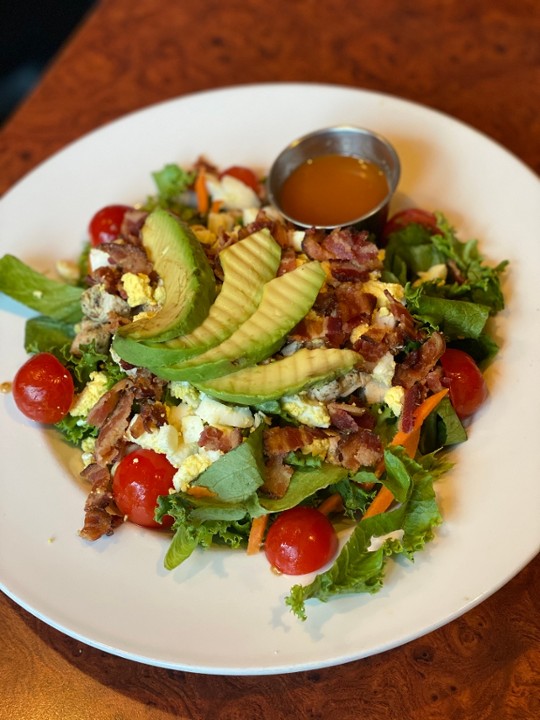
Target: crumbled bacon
129 257
419 363
288 261
151 416
223 439
277 477
348 417
356 450
282 440
133 222
110 440
101 514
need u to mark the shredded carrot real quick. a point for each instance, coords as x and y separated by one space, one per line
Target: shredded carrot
216 204
381 502
331 504
200 491
201 192
256 534
409 441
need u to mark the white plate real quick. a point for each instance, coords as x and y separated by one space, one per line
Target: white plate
224 612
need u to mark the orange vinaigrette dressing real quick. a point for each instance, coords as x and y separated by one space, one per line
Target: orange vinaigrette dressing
333 190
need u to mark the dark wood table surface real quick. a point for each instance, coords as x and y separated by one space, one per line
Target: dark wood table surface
477 60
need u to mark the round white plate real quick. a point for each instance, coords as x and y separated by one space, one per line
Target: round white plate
223 612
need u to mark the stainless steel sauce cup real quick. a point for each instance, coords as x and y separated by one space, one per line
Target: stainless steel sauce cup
338 140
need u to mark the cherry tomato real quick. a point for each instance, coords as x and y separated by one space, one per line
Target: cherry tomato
300 541
43 389
243 174
411 215
467 387
140 478
106 223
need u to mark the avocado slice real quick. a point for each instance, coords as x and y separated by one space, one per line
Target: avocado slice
247 266
188 278
288 376
285 301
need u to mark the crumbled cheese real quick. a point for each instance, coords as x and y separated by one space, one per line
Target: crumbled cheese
297 238
97 258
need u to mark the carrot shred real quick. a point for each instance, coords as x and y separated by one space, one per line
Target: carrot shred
200 491
256 534
409 441
201 192
381 502
331 504
216 204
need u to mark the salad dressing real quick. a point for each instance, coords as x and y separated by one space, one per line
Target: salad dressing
330 190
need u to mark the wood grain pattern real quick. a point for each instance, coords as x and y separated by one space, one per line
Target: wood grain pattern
478 61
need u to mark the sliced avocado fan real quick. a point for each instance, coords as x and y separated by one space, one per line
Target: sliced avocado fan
287 376
189 281
285 301
247 266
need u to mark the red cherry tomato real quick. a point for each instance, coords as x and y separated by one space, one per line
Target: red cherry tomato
43 389
467 387
243 174
301 540
106 223
140 478
411 215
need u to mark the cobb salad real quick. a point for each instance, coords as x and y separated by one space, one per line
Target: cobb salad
230 379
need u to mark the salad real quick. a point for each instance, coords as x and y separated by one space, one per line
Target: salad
231 380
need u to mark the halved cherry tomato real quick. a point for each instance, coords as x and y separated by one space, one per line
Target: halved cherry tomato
140 478
467 387
43 389
411 215
106 223
301 540
243 174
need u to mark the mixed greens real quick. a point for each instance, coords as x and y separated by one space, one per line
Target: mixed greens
374 422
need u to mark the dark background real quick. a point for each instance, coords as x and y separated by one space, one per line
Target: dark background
31 33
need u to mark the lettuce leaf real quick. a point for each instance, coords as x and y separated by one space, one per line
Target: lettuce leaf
358 569
54 299
413 250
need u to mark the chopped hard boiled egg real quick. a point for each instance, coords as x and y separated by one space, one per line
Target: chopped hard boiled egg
306 410
394 399
138 289
377 288
193 466
184 391
91 393
216 413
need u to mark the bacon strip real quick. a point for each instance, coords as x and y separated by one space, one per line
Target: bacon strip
282 440
101 514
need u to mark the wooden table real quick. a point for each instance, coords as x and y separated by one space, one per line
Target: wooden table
478 61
